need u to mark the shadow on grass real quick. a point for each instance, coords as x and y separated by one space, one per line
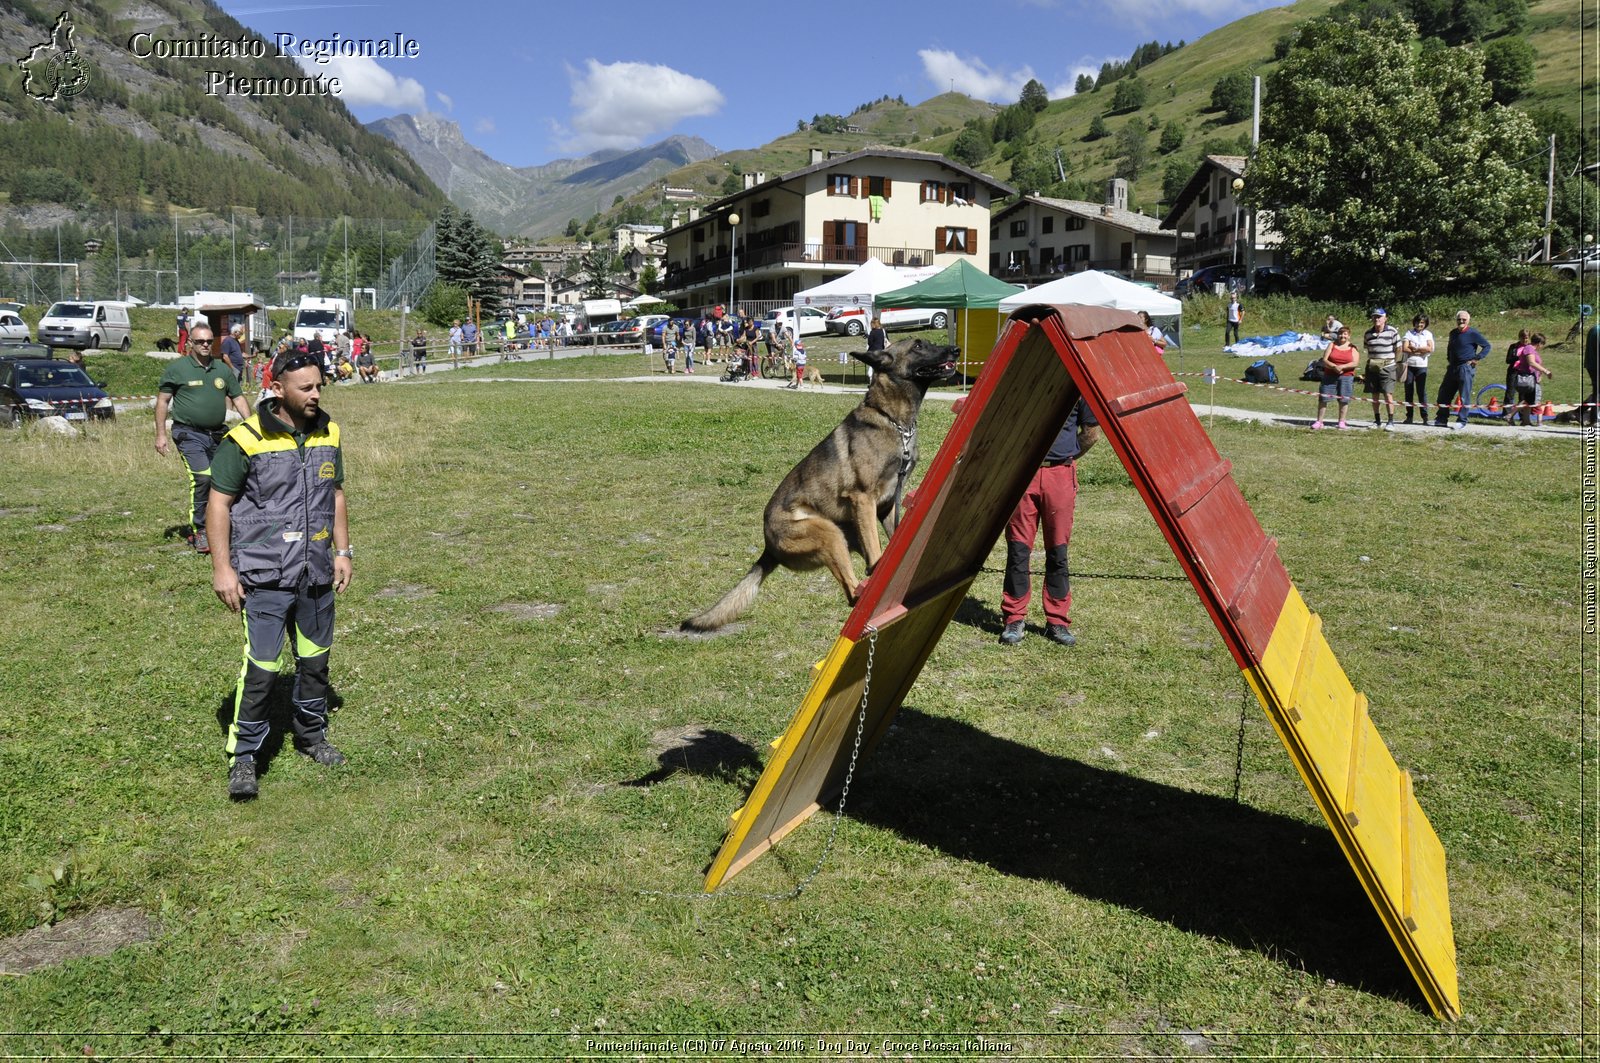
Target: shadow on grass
1203 864
716 754
280 716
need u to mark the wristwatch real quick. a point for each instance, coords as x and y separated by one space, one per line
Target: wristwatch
349 551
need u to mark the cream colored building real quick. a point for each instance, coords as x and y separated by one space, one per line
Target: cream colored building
1212 226
1037 239
907 208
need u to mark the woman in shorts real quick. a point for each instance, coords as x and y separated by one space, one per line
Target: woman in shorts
1338 376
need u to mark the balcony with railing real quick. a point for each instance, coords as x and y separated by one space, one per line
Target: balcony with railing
811 255
1025 271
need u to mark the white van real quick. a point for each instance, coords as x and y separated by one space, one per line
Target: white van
325 315
79 324
592 314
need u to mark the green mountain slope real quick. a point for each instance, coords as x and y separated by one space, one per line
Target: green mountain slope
1179 87
143 133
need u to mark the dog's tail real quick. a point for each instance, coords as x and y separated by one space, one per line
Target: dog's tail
735 602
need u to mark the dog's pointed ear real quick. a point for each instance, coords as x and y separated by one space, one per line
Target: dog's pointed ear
876 359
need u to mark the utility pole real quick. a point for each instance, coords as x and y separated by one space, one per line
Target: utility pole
1549 196
1255 145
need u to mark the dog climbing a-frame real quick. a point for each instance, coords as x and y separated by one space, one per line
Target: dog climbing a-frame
1047 357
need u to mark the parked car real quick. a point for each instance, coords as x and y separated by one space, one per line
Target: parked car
624 330
1202 279
1279 280
853 320
32 387
12 327
1571 267
813 320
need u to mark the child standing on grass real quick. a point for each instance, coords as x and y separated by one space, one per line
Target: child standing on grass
799 359
1338 376
669 349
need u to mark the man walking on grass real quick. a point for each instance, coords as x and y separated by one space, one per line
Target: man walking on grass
197 390
281 533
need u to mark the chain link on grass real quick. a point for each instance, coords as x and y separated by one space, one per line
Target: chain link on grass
838 813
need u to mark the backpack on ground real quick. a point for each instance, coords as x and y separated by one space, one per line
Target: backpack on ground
1313 370
1261 372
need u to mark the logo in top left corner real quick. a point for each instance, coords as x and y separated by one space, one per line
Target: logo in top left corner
55 68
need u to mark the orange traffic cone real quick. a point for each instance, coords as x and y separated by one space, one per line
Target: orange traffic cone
1494 404
1547 410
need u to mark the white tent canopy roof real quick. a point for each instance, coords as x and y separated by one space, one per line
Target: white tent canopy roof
645 300
1093 288
857 287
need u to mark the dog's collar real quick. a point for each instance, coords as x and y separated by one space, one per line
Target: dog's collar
908 438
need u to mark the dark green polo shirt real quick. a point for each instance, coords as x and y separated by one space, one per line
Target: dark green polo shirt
229 465
200 396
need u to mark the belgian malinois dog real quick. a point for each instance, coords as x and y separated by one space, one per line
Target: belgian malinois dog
831 503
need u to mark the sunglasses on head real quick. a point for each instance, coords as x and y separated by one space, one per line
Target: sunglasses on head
298 360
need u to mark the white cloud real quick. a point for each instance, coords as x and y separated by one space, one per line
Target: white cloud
1087 65
449 104
621 105
949 71
484 125
363 83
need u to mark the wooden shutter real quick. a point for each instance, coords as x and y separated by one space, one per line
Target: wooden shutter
938 240
972 241
855 186
861 242
886 184
829 238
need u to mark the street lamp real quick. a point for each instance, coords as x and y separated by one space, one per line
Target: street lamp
733 254
1238 214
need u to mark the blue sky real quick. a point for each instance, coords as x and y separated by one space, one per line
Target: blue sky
533 82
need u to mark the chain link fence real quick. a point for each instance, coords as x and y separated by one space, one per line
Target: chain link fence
156 257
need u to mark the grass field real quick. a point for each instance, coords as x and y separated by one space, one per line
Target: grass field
1102 851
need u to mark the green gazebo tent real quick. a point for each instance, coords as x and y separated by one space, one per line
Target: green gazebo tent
960 286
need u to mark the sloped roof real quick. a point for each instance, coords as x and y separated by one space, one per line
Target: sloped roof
1231 164
1119 217
721 206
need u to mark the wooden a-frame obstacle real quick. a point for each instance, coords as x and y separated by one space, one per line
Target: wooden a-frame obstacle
1045 358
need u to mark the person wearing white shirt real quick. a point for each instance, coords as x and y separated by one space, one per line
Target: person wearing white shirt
1415 346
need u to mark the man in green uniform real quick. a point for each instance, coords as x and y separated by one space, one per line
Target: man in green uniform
197 390
281 531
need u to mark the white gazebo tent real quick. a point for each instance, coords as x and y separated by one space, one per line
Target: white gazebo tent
858 287
1093 288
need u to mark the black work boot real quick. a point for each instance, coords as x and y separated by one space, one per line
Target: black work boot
324 753
1060 634
242 777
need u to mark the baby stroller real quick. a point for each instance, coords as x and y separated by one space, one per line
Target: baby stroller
738 368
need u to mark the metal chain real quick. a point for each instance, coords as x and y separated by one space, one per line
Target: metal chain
838 814
1238 753
1110 575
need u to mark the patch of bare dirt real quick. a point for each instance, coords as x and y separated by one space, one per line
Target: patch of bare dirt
700 636
527 610
407 592
97 933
